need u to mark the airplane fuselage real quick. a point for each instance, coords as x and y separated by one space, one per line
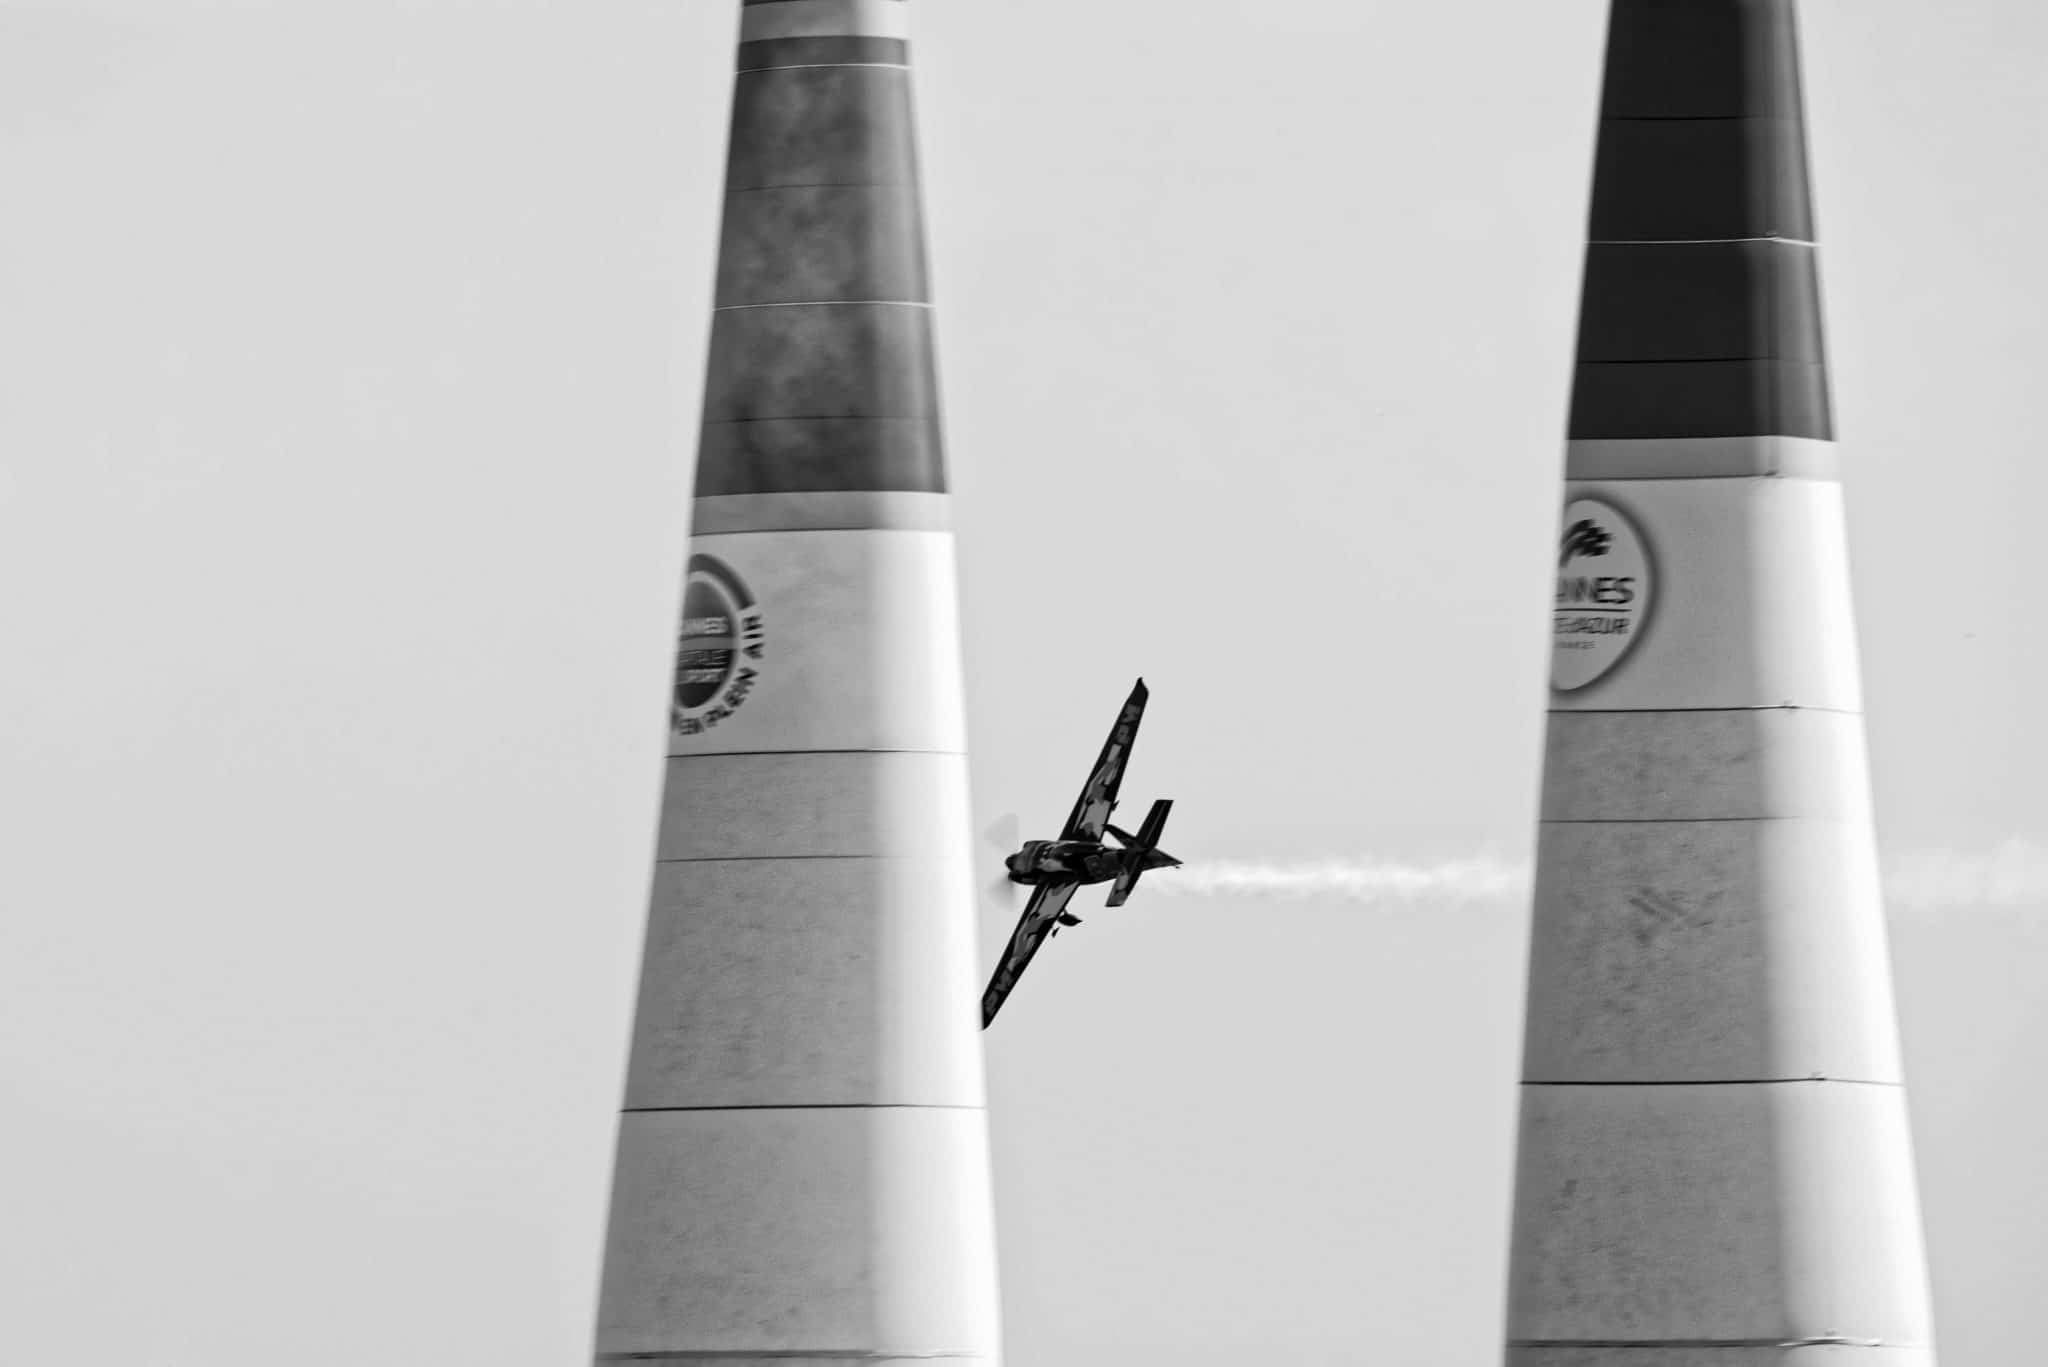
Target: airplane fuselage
1073 861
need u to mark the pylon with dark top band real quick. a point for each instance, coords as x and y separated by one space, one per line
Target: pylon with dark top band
802 1168
1714 1165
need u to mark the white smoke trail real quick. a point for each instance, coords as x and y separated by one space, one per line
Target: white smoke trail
2008 875
1471 879
2011 874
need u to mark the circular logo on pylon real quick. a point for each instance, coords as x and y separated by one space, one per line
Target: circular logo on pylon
722 642
1604 591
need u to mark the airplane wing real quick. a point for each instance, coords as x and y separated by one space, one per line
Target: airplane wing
1098 795
1040 919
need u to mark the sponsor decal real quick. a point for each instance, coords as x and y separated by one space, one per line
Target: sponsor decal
1605 590
722 644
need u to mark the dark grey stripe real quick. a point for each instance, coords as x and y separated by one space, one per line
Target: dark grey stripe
765 54
1689 179
821 125
1699 301
791 244
808 455
857 359
816 397
1701 399
1701 58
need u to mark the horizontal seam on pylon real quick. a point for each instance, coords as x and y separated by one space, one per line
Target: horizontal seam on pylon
770 1354
1695 360
716 754
814 66
818 185
1710 1082
772 858
1712 1343
1666 820
814 1106
1692 241
1694 118
816 303
826 527
1639 712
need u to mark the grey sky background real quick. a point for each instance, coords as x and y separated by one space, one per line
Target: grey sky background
354 357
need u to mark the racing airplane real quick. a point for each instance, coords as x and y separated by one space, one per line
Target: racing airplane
1053 869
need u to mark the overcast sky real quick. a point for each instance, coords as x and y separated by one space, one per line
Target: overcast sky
354 352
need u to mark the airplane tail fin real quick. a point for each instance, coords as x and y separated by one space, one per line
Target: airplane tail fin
1144 853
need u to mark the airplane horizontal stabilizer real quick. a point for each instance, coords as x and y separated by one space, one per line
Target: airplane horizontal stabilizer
1144 853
